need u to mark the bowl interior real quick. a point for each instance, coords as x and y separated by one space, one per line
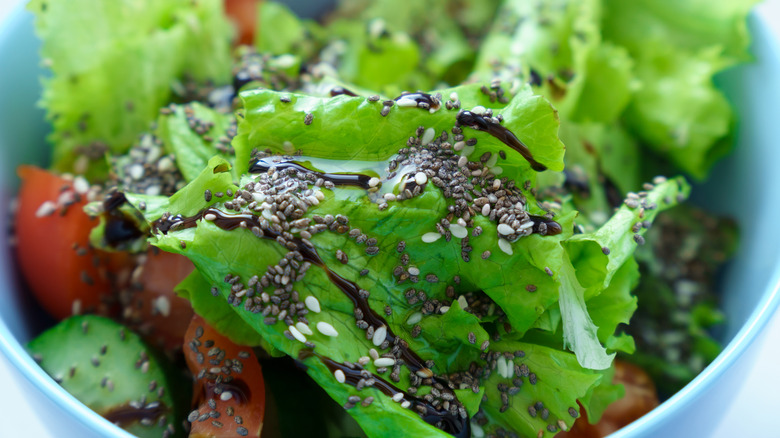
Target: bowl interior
742 186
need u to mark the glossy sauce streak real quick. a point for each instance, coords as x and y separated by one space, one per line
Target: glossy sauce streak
420 97
118 228
553 227
338 91
452 424
126 415
237 388
480 123
339 179
230 222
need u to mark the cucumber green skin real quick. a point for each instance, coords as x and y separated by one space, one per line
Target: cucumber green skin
100 363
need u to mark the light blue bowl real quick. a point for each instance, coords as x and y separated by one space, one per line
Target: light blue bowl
746 185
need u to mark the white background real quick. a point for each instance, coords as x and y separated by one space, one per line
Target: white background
754 408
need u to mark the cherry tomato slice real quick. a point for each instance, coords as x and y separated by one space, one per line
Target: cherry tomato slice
243 13
227 379
640 398
151 307
63 271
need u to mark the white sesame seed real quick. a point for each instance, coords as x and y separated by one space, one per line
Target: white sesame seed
486 210
75 307
327 329
462 222
313 199
210 217
303 328
505 246
319 195
81 164
376 27
479 109
505 229
340 377
458 146
373 182
444 309
420 178
226 395
163 305
80 185
476 430
285 61
525 225
406 101
406 404
312 303
384 362
136 171
496 184
258 197
296 334
430 237
463 302
428 136
501 366
46 209
389 197
458 231
380 334
454 96
373 353
413 270
397 397
659 180
414 318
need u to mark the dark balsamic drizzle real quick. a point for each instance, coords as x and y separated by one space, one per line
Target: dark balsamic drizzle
426 99
452 424
229 222
125 415
480 123
338 91
118 229
339 179
552 229
237 388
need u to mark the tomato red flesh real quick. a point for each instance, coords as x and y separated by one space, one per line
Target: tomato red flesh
154 310
243 13
52 234
239 397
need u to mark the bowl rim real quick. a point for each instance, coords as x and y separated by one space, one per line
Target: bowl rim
19 359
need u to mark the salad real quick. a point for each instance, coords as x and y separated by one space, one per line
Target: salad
426 218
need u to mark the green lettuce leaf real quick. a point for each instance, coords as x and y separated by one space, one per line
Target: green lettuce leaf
544 405
269 123
678 47
193 133
219 314
113 65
